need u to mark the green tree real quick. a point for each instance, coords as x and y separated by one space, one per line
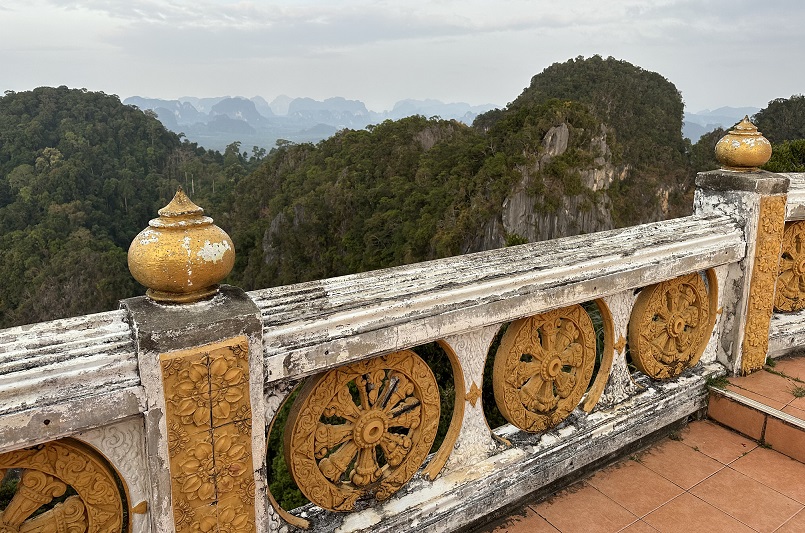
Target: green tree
80 175
788 156
703 152
783 119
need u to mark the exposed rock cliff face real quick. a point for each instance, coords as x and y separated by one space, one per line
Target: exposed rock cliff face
582 213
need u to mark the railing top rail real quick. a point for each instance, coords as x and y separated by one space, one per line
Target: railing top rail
67 372
321 324
795 208
324 323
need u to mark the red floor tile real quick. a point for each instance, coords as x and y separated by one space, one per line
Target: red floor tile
689 514
795 525
775 470
766 384
582 509
785 438
797 392
638 527
746 500
794 368
716 441
736 416
798 403
634 486
679 463
527 522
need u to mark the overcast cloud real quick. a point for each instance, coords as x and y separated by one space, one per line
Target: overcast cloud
737 53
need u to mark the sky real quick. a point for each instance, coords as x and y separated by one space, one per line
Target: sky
717 53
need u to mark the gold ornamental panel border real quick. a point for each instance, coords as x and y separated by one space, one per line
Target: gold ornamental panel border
362 429
208 417
671 323
47 471
543 366
765 269
293 520
473 395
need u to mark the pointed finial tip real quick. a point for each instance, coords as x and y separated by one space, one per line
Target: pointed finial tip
181 205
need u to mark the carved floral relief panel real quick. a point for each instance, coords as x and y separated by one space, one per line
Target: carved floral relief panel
46 472
771 222
123 443
474 441
208 417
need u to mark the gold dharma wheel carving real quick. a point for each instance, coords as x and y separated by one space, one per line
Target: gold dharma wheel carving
45 473
790 290
543 366
671 323
362 429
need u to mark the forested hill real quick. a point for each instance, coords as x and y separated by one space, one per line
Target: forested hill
590 144
783 123
80 175
643 113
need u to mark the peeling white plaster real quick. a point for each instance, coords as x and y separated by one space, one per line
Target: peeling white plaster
214 252
360 521
186 246
148 236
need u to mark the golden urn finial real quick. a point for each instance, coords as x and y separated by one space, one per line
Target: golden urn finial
181 256
744 148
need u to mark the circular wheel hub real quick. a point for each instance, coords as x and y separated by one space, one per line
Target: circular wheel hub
670 324
370 429
387 404
551 368
676 326
538 392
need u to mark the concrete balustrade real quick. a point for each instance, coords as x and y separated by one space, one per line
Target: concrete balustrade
158 389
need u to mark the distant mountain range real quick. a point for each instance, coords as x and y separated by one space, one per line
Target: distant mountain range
697 124
217 122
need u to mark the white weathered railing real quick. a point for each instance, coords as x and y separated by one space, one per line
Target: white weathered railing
795 206
60 377
321 324
97 378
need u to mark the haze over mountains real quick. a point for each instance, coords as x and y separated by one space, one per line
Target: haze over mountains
216 122
697 124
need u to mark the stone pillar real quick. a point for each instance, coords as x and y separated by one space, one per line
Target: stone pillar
755 199
199 349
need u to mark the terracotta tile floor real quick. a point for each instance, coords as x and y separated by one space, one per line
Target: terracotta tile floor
780 386
793 367
707 479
